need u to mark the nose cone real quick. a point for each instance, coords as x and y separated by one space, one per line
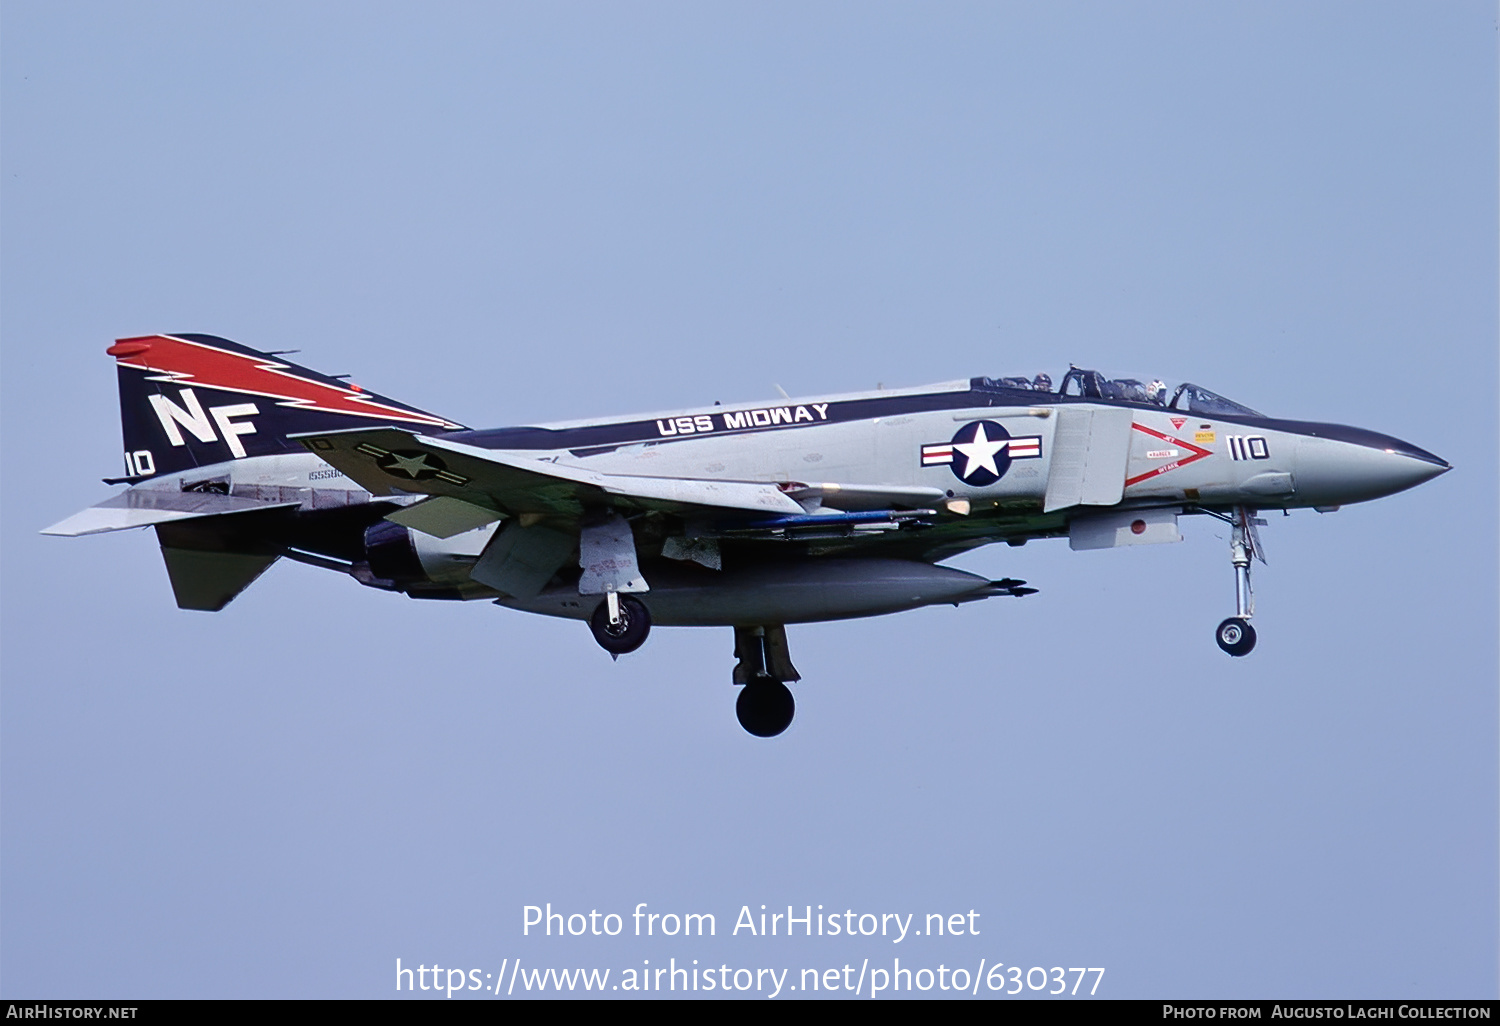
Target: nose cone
1399 470
1361 465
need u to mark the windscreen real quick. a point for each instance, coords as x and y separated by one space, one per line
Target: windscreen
1200 400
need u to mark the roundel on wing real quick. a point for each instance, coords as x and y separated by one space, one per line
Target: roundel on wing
981 453
412 464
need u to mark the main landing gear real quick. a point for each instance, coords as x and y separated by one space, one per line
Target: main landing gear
1235 635
606 553
620 624
765 706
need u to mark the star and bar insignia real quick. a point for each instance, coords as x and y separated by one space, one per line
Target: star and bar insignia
412 464
981 452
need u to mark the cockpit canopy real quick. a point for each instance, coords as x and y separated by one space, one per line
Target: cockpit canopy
1201 400
1090 384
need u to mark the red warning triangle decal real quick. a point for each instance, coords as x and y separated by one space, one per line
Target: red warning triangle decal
1197 453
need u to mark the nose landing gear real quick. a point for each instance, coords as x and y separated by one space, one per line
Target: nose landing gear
1235 635
606 554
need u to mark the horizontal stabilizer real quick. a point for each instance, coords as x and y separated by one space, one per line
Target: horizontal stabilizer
210 580
143 507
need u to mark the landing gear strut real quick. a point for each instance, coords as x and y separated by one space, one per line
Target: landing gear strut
1235 635
765 706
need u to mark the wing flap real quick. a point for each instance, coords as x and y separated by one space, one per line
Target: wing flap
443 516
519 561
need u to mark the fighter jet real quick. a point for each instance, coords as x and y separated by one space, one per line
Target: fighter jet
750 516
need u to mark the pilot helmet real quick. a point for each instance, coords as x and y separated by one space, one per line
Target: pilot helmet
1042 383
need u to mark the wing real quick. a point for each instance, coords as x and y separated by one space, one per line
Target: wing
478 482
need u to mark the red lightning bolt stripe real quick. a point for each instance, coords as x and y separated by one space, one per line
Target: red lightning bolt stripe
180 360
1198 454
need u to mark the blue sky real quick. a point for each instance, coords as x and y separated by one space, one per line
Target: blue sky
522 212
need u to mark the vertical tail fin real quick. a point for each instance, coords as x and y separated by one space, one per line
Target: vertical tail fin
195 400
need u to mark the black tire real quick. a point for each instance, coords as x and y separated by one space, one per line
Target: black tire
765 707
1236 636
627 635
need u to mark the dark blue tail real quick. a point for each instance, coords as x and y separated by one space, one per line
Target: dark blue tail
196 400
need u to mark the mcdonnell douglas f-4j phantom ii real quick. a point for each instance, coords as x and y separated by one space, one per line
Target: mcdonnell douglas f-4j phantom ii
751 516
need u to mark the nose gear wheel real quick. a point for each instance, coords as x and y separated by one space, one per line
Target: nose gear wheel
1236 636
